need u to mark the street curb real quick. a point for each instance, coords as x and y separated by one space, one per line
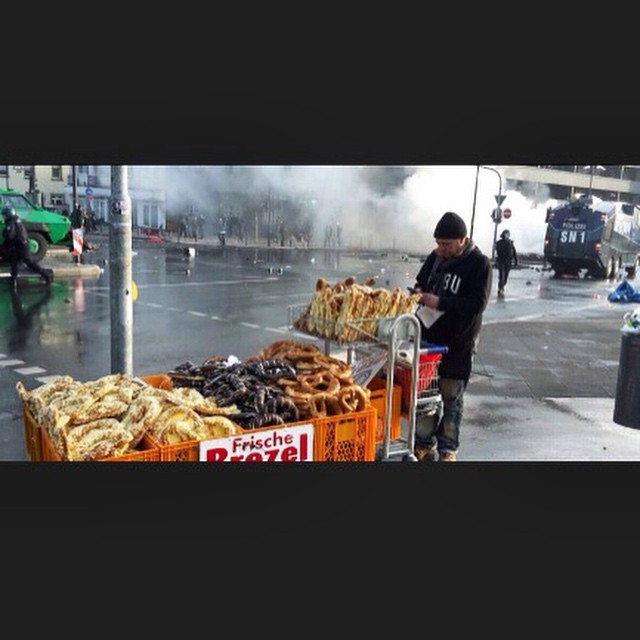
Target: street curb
76 270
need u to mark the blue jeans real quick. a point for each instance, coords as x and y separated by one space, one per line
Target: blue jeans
445 432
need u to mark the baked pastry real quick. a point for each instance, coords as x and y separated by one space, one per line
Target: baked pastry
98 439
140 416
177 424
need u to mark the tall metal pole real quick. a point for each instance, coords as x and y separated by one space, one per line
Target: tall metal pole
495 227
475 195
120 283
74 186
496 222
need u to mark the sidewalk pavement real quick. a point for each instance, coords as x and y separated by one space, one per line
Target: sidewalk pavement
544 429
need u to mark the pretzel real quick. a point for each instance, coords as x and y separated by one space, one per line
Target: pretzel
176 424
217 427
302 352
353 398
322 405
297 393
322 382
276 348
98 439
339 368
108 407
141 414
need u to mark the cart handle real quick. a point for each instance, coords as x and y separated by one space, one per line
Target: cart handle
430 348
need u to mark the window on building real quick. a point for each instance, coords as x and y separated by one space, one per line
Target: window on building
57 199
56 172
4 170
150 216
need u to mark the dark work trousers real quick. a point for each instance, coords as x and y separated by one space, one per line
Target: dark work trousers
443 433
503 273
16 256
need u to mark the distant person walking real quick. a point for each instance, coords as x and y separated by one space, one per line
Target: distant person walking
77 217
182 228
506 257
16 245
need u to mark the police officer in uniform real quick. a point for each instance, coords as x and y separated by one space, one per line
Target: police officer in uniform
16 244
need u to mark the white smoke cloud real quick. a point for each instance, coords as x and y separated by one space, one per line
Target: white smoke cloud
402 217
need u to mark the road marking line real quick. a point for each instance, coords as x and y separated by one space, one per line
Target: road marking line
275 330
197 313
10 363
250 280
251 326
295 334
51 378
29 371
153 304
173 309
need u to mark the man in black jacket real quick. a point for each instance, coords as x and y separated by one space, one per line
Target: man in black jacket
506 257
16 242
455 282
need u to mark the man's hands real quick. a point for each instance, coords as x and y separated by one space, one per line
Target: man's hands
430 300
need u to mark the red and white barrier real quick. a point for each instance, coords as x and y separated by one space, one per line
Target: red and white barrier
78 241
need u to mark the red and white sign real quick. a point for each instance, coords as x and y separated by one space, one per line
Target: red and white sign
506 213
78 239
283 444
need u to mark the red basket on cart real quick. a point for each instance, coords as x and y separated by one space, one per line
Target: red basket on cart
427 381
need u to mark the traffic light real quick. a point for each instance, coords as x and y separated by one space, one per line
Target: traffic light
496 215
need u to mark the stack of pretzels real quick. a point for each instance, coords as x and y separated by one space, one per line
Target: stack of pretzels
349 312
323 385
109 417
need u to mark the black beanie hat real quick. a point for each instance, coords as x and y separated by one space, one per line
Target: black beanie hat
451 225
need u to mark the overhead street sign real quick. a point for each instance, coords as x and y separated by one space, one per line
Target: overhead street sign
500 199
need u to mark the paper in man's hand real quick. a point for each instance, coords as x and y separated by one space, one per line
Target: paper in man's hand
428 315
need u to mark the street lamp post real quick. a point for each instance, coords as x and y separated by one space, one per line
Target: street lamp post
592 170
499 200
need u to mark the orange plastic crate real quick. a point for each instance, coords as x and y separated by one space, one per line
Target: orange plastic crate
427 377
147 451
187 451
346 438
350 437
31 435
160 381
378 387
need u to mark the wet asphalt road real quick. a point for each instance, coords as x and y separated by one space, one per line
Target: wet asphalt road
547 338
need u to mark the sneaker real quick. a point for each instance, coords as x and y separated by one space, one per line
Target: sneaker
448 456
426 454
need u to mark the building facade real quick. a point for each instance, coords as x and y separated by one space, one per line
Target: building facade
52 186
607 182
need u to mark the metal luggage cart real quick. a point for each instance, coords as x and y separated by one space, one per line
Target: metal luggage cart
418 378
418 373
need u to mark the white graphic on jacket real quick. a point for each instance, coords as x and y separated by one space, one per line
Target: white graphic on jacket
451 282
